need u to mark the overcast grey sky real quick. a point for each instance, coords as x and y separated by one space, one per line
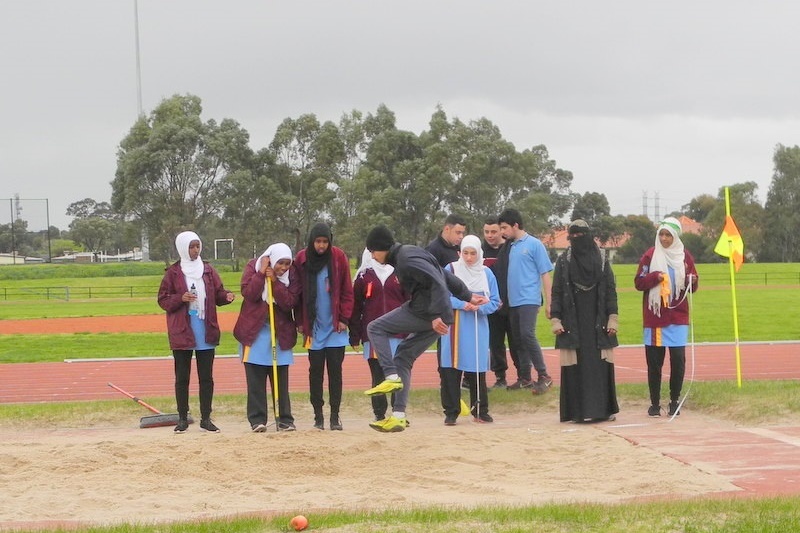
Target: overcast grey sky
634 97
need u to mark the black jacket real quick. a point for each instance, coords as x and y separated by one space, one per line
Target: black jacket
444 252
428 284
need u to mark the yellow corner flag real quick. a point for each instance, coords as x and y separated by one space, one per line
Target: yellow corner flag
730 243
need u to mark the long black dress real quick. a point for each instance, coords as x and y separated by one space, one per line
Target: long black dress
588 390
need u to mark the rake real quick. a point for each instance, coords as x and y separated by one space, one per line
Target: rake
157 420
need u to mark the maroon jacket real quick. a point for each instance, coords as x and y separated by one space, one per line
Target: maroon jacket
646 280
255 313
179 329
341 289
372 300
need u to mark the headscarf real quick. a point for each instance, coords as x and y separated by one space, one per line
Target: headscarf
585 265
192 270
664 259
382 271
275 253
315 263
473 276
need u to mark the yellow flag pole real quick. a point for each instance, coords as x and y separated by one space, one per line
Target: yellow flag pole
274 341
733 295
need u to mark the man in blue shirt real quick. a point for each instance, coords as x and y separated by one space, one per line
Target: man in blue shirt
528 285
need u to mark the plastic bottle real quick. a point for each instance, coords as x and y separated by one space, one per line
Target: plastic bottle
194 305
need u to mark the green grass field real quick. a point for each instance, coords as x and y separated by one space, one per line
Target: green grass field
763 296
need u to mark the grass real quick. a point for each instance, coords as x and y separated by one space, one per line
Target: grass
707 516
762 401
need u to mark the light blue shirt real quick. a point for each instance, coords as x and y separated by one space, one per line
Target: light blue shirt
527 262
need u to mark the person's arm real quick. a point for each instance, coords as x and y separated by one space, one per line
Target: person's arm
557 297
644 280
612 308
547 285
252 283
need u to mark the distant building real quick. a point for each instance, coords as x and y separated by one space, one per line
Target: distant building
556 241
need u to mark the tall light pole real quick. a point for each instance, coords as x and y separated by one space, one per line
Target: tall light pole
145 237
138 62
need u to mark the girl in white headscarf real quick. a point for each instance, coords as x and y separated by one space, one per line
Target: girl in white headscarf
466 347
665 272
254 333
190 293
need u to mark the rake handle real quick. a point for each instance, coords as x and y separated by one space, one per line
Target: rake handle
135 399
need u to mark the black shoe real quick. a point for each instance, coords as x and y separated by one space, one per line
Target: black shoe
500 384
207 425
182 426
450 420
485 417
336 423
286 426
654 410
673 409
542 385
318 422
520 384
259 428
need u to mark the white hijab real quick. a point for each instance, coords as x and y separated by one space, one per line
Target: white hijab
663 259
275 253
473 276
192 270
382 271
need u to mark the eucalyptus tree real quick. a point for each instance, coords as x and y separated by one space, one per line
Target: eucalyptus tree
169 167
543 194
310 155
782 208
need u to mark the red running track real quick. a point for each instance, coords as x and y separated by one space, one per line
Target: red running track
153 377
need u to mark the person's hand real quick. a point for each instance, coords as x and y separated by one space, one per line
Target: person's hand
477 299
188 297
269 273
439 326
264 265
340 327
470 307
230 297
661 276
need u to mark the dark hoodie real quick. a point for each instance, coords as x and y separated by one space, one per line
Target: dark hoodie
429 286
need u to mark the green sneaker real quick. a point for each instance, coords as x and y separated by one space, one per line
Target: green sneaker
389 425
387 386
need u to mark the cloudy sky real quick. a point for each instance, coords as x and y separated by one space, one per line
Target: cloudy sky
638 99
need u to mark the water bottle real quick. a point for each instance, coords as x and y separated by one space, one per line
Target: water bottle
194 305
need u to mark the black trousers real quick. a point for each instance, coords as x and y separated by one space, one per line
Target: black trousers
257 410
205 375
318 359
379 402
449 386
677 369
499 330
483 404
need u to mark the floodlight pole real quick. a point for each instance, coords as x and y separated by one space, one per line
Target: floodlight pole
138 62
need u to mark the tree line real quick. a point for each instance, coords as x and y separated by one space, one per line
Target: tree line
176 171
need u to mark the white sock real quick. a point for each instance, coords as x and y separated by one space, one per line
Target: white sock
399 414
392 376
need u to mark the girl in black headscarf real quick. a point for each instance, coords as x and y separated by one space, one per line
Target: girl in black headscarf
584 319
326 304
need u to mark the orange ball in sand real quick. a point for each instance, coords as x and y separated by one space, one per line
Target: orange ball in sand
299 522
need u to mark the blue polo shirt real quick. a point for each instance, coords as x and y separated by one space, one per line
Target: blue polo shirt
527 261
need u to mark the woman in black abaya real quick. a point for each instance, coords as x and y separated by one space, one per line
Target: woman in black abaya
584 320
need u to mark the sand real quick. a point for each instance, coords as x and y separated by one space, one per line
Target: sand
105 474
